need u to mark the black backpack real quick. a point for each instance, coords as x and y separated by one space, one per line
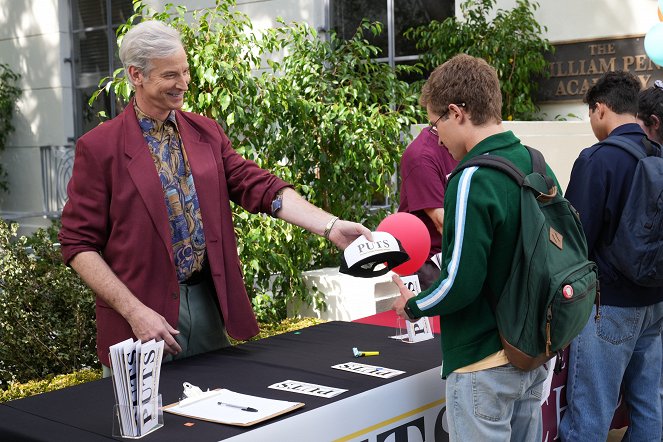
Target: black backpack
552 286
637 248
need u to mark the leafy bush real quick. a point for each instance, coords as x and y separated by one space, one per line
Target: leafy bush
46 312
320 114
511 42
9 93
17 390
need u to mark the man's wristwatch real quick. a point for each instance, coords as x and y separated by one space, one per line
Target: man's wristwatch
277 203
408 312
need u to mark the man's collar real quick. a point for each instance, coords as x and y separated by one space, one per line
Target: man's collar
628 128
148 123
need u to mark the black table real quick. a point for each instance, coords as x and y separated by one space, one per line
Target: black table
370 406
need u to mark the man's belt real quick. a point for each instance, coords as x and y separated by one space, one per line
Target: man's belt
198 276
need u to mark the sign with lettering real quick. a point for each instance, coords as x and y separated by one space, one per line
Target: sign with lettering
370 370
418 331
306 388
576 66
421 330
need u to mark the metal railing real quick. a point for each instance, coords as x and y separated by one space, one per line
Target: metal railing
57 163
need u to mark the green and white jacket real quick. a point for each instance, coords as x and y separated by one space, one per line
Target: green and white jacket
481 225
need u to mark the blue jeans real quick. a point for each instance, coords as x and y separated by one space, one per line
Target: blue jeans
498 404
622 348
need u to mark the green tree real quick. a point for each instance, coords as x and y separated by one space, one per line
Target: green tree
9 93
319 114
511 41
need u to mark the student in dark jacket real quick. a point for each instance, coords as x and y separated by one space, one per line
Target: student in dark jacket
650 118
624 345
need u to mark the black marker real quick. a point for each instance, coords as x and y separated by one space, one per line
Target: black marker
241 407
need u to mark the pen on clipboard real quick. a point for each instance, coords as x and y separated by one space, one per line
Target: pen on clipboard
241 407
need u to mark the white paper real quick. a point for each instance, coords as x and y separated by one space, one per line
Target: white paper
206 407
306 388
130 378
369 370
415 331
136 369
548 382
419 331
121 386
411 282
148 369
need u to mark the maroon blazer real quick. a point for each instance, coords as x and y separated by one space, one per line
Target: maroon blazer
116 207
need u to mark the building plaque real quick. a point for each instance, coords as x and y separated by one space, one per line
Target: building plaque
576 66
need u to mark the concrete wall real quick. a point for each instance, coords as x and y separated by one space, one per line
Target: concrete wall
34 41
559 141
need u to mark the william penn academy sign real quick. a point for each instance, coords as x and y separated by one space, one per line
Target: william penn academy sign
576 66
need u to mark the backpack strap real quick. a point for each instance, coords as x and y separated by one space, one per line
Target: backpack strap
494 162
539 166
508 168
630 146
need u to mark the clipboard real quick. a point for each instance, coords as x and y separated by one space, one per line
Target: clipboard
206 407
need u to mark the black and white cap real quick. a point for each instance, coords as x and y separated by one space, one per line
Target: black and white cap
367 259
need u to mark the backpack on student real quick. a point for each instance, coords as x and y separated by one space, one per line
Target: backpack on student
637 248
552 287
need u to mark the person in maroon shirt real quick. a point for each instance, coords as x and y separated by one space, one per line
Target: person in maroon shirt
425 165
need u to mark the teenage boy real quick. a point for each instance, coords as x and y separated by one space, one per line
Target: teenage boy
487 397
624 346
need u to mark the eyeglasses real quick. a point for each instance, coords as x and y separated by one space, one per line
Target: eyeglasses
432 127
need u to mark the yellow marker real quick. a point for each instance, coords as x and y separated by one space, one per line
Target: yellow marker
370 353
358 353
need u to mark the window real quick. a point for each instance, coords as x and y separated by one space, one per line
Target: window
94 56
397 16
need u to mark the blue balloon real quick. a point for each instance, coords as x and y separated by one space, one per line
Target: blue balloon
654 43
660 5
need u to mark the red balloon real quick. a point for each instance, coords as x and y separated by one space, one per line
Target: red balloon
414 237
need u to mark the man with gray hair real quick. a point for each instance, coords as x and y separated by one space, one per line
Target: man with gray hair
148 224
